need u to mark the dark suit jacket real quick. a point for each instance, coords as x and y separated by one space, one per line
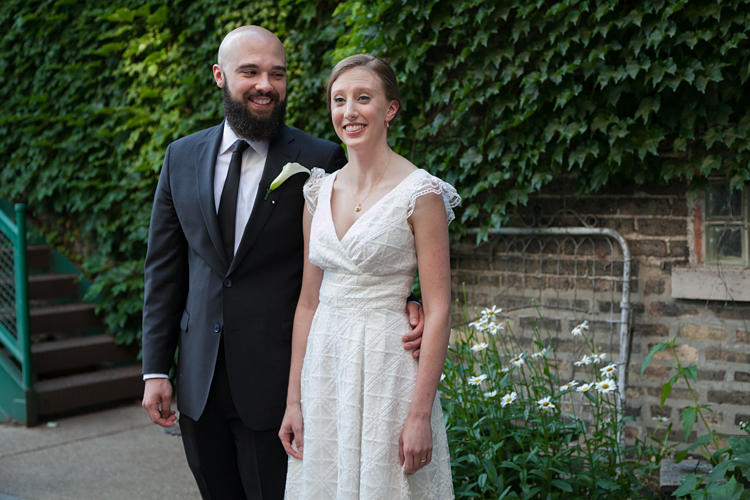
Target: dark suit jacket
194 296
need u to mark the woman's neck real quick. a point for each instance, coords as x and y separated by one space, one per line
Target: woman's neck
367 165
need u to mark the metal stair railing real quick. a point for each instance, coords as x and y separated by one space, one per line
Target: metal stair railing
17 401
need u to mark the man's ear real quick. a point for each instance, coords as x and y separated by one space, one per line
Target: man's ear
218 76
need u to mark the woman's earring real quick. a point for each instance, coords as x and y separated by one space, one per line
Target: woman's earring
387 125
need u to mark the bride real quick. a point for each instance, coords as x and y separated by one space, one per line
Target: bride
362 419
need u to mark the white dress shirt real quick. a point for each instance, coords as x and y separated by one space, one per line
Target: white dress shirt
253 163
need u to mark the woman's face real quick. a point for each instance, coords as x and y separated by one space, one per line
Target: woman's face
359 108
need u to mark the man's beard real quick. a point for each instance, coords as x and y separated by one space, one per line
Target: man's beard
249 126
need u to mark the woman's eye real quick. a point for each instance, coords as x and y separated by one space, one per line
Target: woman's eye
364 98
338 100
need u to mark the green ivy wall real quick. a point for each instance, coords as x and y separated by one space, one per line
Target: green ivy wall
499 97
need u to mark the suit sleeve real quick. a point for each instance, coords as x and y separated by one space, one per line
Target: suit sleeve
165 279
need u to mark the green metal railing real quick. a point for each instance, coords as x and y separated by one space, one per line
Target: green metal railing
17 401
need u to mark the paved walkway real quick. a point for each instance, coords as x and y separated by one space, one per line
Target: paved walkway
110 455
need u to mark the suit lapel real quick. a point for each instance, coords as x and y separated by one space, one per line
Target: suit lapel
207 151
280 152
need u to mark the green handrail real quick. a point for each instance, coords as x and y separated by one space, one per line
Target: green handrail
17 343
22 295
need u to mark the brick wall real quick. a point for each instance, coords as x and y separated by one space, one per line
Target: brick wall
658 224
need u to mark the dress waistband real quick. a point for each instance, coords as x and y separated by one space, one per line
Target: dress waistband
365 291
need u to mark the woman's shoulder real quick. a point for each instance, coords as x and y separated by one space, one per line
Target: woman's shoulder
422 183
311 189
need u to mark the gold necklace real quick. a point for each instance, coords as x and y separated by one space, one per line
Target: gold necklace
351 186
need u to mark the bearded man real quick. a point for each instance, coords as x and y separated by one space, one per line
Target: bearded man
223 274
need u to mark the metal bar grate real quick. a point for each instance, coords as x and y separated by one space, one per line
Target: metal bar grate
561 275
7 286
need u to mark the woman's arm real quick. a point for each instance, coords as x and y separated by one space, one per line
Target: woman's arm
312 276
430 227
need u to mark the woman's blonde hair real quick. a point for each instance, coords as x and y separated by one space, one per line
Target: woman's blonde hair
378 66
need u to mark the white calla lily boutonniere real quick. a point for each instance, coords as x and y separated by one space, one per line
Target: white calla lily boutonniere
289 170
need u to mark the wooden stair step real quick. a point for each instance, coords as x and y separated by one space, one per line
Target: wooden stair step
38 256
52 286
77 353
74 392
62 318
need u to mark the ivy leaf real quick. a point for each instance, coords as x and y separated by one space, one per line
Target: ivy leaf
648 105
711 136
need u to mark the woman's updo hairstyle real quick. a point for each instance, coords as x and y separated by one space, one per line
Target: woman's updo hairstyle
378 66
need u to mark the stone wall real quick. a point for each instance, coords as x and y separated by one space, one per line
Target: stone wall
660 224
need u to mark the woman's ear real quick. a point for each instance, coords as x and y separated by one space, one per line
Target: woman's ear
392 110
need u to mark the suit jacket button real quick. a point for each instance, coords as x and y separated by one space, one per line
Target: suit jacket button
227 283
217 328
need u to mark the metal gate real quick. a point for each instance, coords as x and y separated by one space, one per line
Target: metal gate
564 275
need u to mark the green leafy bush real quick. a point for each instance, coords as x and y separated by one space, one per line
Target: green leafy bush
730 474
515 430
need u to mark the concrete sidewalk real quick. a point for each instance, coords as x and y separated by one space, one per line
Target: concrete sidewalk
110 455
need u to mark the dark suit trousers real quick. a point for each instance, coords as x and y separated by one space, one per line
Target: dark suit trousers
229 460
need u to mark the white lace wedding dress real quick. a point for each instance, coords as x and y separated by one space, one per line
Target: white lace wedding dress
357 379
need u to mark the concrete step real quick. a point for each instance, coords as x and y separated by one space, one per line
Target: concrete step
77 392
78 353
62 318
52 286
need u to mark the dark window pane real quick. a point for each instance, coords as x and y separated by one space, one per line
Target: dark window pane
724 244
723 202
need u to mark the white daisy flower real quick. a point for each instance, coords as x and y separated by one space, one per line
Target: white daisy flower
609 371
578 329
537 355
480 347
569 385
661 420
477 380
508 399
584 388
546 404
584 361
494 328
491 313
490 394
479 325
505 370
442 377
517 360
606 386
597 358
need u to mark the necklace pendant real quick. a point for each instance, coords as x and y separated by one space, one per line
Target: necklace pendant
357 208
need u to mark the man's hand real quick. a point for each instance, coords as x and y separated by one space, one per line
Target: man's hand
157 400
416 318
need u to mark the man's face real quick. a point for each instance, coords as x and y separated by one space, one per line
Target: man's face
252 76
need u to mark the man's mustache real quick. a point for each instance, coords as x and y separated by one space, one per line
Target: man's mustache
250 93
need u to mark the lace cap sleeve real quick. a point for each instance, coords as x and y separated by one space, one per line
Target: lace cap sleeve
430 184
312 188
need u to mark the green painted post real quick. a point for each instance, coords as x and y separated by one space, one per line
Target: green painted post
22 296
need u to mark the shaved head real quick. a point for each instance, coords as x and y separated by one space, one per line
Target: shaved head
247 33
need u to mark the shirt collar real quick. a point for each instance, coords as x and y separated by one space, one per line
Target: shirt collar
229 138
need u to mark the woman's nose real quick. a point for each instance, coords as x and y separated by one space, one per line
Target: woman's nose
350 111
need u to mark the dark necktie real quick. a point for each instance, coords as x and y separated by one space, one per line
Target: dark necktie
228 203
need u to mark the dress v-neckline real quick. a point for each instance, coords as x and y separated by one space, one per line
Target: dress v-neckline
374 206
